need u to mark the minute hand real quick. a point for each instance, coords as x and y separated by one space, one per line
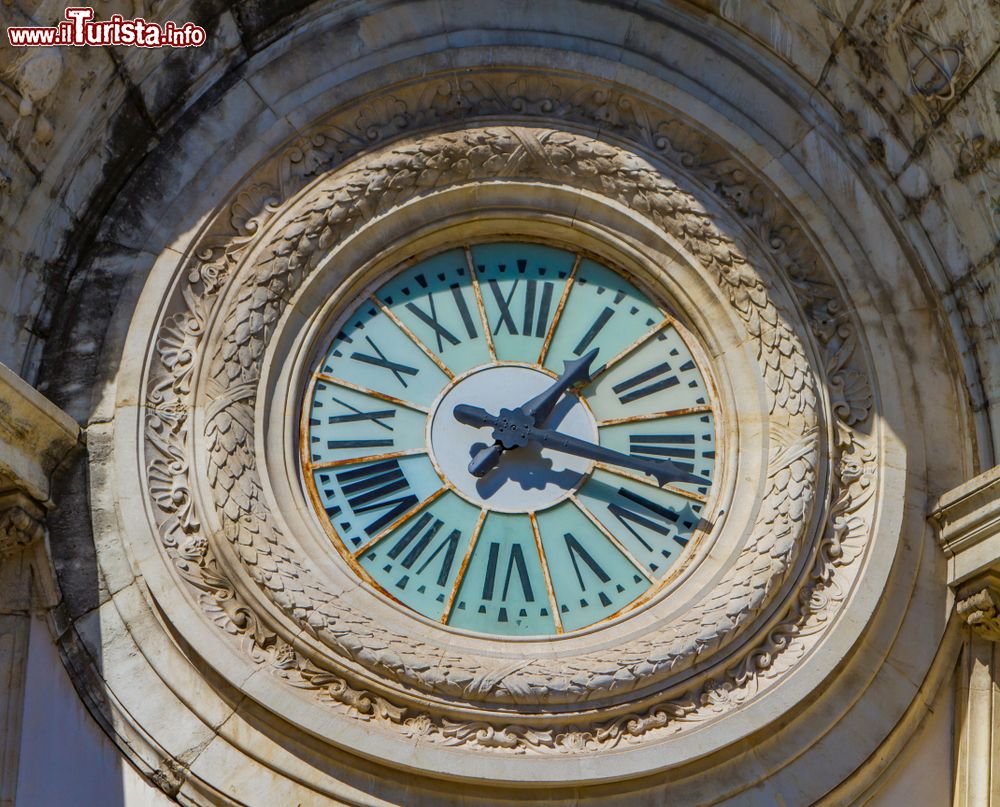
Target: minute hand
663 471
514 431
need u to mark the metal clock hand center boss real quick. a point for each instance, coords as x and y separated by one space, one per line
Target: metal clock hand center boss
512 428
530 477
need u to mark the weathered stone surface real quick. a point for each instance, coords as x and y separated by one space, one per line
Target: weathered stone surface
840 158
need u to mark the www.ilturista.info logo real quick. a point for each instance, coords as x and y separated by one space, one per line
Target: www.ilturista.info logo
80 29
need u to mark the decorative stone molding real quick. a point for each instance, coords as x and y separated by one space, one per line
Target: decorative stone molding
968 523
35 437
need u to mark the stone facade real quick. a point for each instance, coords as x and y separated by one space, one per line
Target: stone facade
815 184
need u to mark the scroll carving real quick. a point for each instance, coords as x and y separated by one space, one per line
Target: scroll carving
981 612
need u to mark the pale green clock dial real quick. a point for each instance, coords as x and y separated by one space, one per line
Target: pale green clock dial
545 541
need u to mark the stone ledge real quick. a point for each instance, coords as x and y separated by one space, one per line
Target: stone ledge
35 436
968 523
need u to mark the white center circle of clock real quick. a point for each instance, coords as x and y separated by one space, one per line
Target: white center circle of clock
526 479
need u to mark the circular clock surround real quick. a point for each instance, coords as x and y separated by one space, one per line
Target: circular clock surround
629 683
544 543
655 634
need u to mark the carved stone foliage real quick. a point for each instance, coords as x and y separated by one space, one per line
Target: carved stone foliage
239 283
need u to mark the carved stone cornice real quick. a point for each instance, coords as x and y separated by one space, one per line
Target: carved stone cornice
35 437
979 606
968 522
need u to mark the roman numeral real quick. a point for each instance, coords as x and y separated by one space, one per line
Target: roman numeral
450 547
380 360
632 508
371 488
515 560
431 319
358 416
537 306
660 371
430 527
504 305
441 332
576 549
591 334
544 304
678 447
463 310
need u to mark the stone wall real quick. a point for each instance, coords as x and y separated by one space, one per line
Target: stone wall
854 146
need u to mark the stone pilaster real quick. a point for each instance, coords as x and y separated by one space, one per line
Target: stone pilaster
35 437
968 521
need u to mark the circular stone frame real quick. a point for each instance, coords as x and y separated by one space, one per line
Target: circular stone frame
377 653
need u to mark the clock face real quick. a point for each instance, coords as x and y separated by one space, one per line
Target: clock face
444 365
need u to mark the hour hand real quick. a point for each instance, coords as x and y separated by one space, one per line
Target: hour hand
540 407
485 460
474 416
508 432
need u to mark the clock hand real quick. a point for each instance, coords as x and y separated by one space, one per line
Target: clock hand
512 429
538 409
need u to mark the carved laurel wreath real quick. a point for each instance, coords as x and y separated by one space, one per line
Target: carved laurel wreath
256 293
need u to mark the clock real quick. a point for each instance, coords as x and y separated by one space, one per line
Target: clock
511 439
